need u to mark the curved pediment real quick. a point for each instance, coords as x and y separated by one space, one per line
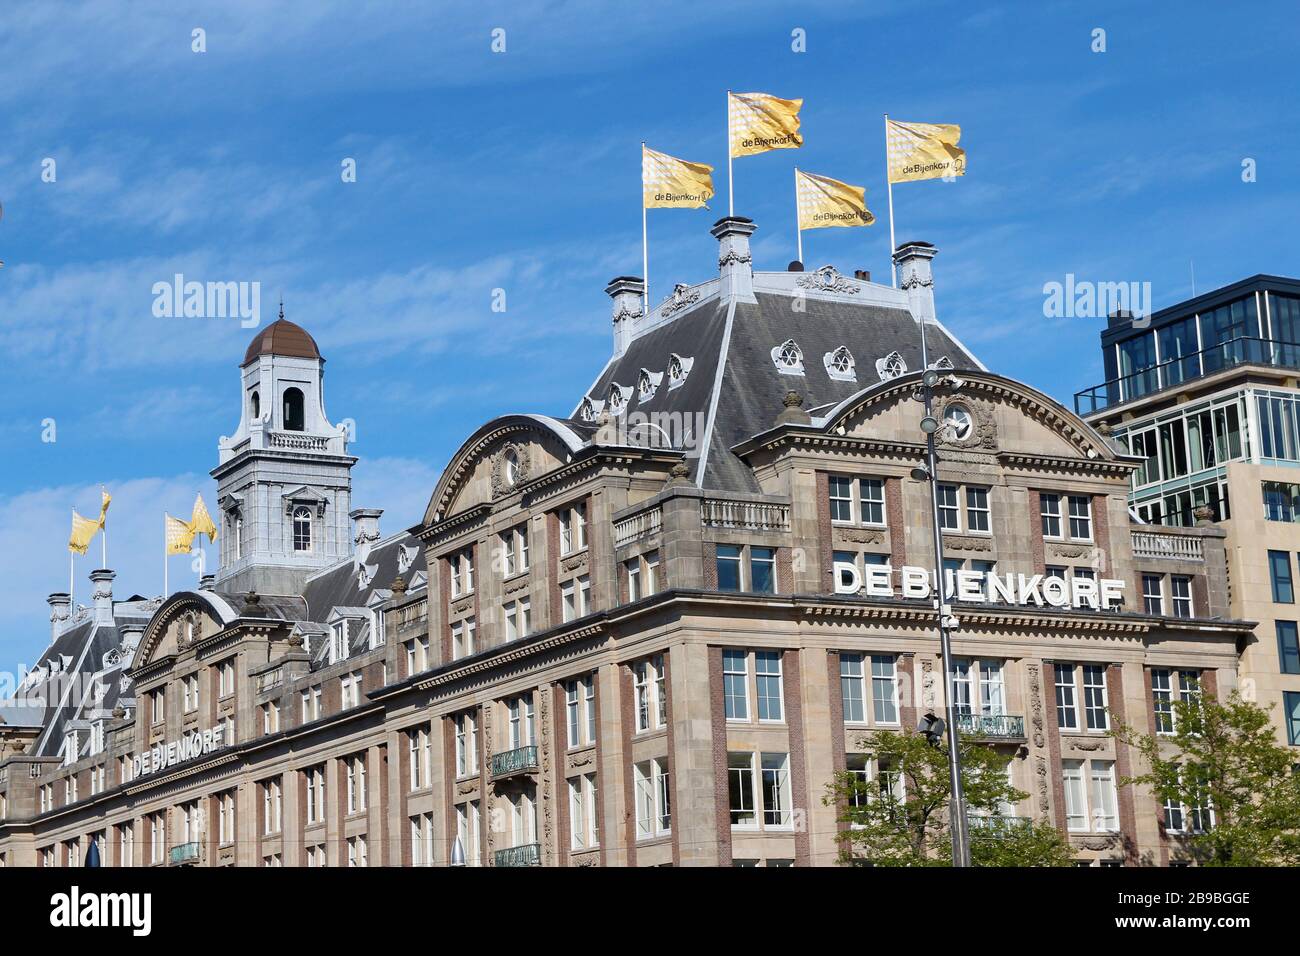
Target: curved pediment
503 455
185 617
987 413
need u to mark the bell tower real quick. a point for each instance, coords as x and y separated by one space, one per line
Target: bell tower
284 479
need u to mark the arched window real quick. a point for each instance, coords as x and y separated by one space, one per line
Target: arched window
301 529
255 403
294 420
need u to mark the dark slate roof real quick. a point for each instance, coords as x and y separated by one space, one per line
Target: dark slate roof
752 390
338 586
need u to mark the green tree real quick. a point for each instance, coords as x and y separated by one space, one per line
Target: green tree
1222 765
901 818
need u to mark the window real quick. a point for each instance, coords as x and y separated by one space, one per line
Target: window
467 831
519 620
302 529
1163 695
422 839
294 419
575 598
466 745
1291 713
1049 509
1281 501
523 819
729 567
1067 714
226 678
316 856
1081 517
158 705
522 727
653 799
735 681
462 638
190 693
977 509
1090 798
580 710
417 655
126 845
1180 589
573 529
378 628
642 575
584 832
1279 570
841 498
762 570
315 780
949 512
356 851
851 689
871 500
770 804
862 500
767 678
226 818
311 698
351 690
462 572
1153 593
356 780
157 837
338 649
1094 697
272 807
270 717
1288 647
420 755
650 694
1190 818
514 550
988 686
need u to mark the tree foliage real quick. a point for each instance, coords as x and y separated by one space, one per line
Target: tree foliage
1235 785
907 824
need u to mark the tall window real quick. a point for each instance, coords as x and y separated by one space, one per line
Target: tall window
1153 593
767 680
1279 570
420 757
356 779
1094 697
521 721
977 509
466 745
575 597
302 529
580 710
272 807
1049 508
650 693
462 638
461 565
884 688
653 799
1291 714
1168 686
758 786
1067 712
735 681
519 619
949 512
851 689
514 550
467 830
841 498
1180 592
761 568
422 840
573 529
584 831
1081 517
294 418
988 689
729 567
315 781
1288 647
1090 798
226 818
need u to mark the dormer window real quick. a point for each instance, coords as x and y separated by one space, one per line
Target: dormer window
338 641
590 409
71 747
618 396
648 383
294 417
788 358
839 365
890 367
302 529
678 369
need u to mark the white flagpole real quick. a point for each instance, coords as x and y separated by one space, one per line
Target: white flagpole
731 195
798 230
164 555
72 580
645 254
893 269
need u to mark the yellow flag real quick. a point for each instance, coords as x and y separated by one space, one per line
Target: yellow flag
827 202
667 181
758 122
105 499
83 529
179 536
201 521
924 151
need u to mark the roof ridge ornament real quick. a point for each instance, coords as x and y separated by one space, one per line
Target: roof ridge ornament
682 296
827 279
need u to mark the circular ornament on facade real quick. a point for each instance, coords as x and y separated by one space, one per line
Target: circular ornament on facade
512 467
959 421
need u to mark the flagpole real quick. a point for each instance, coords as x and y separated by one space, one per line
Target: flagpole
645 254
164 555
731 196
889 181
797 230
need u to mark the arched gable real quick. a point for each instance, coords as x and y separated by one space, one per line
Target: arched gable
185 616
505 452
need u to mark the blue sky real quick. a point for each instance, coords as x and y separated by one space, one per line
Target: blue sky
520 171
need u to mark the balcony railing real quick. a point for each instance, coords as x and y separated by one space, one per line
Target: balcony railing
643 524
530 854
519 760
996 826
992 725
183 853
745 515
1216 358
1177 547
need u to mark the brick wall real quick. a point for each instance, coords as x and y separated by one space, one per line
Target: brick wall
719 722
897 524
1123 763
800 795
824 540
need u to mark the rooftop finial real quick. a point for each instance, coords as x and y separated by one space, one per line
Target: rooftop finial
282 305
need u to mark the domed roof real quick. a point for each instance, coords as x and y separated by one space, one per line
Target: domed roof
282 337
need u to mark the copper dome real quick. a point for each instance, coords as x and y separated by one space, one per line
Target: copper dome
282 337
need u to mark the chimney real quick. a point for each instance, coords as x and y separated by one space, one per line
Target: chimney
365 530
60 607
103 596
207 582
734 261
627 292
914 278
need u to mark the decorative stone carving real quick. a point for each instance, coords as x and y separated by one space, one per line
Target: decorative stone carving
955 542
467 787
1071 551
511 458
983 434
1040 768
591 858
929 698
575 562
682 297
862 536
583 759
547 758
733 258
462 606
1089 746
1035 706
943 365
1099 843
912 281
515 586
827 279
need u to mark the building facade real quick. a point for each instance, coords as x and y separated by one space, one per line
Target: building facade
650 633
1205 394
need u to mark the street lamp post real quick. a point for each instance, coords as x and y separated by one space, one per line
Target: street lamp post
957 799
